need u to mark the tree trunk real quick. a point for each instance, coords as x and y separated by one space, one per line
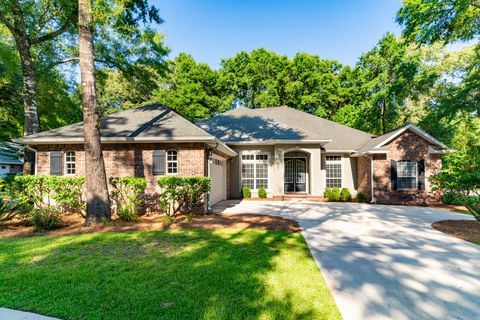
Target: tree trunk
31 123
98 203
384 116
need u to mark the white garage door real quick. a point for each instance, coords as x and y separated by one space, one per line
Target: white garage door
218 174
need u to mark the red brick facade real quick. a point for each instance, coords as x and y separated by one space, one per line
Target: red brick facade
133 160
408 146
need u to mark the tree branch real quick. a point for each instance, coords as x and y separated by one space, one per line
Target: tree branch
73 59
52 34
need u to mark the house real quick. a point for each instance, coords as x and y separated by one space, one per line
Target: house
284 150
10 163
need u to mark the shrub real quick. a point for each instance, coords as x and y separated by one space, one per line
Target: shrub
45 218
262 193
246 192
68 193
128 193
361 197
8 210
182 193
332 194
345 195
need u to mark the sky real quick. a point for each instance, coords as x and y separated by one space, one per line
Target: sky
210 30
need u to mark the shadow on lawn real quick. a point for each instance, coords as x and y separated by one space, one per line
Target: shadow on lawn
194 274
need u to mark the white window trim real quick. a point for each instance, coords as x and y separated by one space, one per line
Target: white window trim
415 176
170 161
64 169
269 166
342 168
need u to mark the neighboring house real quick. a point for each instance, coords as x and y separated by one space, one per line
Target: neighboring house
281 149
9 160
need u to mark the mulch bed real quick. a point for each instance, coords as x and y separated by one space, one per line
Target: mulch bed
468 230
74 224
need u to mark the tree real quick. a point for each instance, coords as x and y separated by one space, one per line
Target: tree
192 89
460 176
393 75
98 202
50 19
429 21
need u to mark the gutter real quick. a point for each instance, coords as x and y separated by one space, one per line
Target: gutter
270 142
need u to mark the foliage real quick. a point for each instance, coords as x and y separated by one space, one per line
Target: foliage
246 192
262 193
66 193
182 193
429 21
361 198
45 218
460 175
192 89
128 193
209 271
345 194
332 194
8 210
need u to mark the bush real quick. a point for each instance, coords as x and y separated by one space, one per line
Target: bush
262 193
45 218
345 195
8 210
182 193
246 192
361 197
68 193
332 194
128 193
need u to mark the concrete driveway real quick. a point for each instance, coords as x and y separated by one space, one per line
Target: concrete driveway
384 262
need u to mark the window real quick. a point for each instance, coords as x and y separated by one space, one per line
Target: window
255 171
172 162
406 174
70 163
333 169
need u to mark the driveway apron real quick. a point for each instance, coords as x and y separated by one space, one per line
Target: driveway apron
384 262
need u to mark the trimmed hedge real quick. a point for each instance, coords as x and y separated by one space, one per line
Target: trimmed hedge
128 193
246 192
182 193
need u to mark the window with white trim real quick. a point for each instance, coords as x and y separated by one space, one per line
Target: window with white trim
406 174
333 168
70 163
255 171
172 162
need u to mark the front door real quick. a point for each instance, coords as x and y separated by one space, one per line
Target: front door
295 175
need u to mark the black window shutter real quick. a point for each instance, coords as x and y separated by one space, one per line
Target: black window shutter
56 163
421 174
393 174
158 163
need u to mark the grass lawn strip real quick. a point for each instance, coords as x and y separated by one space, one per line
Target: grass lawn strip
173 274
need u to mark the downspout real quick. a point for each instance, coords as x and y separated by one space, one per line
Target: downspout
36 158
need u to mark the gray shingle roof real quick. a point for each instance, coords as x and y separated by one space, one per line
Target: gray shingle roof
282 123
9 153
150 122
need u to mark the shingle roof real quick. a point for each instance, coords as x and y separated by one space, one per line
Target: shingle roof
282 123
153 121
9 153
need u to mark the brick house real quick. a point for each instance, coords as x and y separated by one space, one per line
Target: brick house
281 149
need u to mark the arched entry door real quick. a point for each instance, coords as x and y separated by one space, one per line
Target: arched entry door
295 175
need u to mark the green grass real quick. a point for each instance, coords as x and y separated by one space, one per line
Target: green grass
184 274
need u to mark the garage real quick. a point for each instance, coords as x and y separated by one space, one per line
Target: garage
218 174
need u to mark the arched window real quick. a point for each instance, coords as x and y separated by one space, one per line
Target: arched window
172 162
406 174
70 163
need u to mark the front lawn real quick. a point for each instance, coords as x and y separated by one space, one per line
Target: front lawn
174 274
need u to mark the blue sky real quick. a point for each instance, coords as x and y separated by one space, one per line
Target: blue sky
213 29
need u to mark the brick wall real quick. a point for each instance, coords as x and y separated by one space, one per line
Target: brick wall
408 146
363 176
134 160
